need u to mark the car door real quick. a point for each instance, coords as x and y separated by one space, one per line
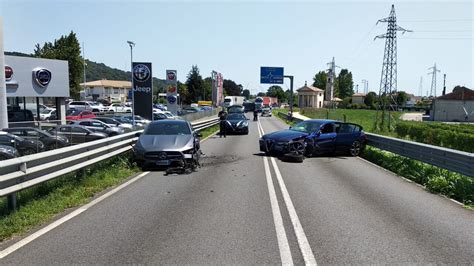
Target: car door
79 134
66 131
326 138
7 140
345 136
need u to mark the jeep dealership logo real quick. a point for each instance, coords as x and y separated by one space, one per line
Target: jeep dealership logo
8 73
141 72
42 76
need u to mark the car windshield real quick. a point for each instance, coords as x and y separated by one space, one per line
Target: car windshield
166 128
307 126
236 117
46 111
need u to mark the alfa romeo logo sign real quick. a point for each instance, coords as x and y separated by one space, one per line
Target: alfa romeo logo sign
141 72
8 73
171 99
42 76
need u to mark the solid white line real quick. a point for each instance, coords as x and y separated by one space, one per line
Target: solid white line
64 219
303 242
283 245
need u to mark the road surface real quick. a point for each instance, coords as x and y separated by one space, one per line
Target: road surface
244 208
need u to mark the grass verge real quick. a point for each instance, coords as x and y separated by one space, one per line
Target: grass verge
209 131
41 203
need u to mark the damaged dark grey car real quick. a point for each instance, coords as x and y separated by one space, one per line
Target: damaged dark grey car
168 144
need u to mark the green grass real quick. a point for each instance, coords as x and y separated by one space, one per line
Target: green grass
209 131
41 203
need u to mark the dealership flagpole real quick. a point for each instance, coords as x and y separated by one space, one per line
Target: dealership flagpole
3 87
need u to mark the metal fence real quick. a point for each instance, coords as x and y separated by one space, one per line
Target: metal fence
449 159
23 172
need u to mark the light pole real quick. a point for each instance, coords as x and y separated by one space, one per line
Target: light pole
132 44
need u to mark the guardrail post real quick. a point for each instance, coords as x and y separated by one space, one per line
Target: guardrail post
11 202
344 117
327 113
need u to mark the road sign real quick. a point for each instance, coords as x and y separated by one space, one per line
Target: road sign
271 75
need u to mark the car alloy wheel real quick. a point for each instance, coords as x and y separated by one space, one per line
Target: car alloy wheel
296 148
356 148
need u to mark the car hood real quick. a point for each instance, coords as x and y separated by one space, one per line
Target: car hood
165 142
285 135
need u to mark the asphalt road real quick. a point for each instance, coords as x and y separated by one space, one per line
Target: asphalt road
244 208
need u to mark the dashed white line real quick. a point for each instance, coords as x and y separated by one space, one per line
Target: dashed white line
303 242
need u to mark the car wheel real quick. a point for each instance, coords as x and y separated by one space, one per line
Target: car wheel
3 157
29 151
356 148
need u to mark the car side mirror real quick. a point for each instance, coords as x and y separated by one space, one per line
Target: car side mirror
138 134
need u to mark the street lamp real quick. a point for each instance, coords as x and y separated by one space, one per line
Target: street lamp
132 44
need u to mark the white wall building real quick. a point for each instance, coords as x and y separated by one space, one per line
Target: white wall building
310 97
111 90
457 106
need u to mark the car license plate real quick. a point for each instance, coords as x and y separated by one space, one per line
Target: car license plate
163 162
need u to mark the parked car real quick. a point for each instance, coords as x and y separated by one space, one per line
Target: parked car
47 113
50 141
79 114
77 134
168 144
114 122
119 108
85 105
24 146
313 137
20 118
100 126
8 152
159 116
138 119
237 123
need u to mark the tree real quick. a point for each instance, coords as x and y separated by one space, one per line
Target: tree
207 89
183 93
194 85
278 92
320 80
65 48
402 97
370 99
261 94
246 94
344 84
231 88
295 97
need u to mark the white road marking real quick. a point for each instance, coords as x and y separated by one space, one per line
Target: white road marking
283 245
303 242
64 219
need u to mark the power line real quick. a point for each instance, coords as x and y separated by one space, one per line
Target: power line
436 20
437 38
443 31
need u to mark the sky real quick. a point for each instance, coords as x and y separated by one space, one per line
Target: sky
237 37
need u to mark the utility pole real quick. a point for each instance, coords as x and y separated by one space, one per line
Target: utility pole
444 84
420 88
84 67
433 80
132 44
3 86
388 80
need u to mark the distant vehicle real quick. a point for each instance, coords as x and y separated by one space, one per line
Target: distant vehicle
237 123
46 114
315 136
90 106
206 108
235 109
8 152
24 146
50 141
168 144
259 104
233 100
114 122
99 126
77 134
205 103
79 114
128 120
119 108
189 109
249 107
160 106
20 118
266 111
138 119
159 116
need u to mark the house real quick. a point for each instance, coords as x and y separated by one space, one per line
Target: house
358 98
310 97
412 100
457 106
111 90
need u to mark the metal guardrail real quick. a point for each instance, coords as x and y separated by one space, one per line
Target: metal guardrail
23 172
449 159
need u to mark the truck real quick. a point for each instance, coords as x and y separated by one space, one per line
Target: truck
233 100
259 103
270 101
